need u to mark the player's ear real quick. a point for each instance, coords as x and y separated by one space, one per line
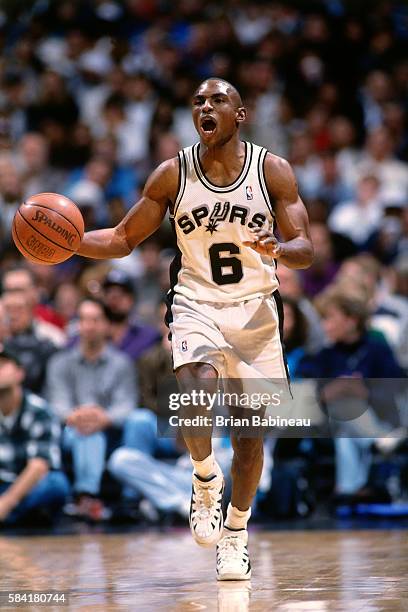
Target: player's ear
241 114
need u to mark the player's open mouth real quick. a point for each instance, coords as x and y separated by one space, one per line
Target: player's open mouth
208 125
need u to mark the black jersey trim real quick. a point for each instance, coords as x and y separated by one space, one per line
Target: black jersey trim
171 207
174 270
226 188
181 182
262 182
279 307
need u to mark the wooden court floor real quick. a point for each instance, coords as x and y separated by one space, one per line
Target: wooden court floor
292 571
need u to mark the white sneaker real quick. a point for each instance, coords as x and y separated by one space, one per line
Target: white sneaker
206 519
232 556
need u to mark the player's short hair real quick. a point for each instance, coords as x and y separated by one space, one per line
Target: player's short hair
230 86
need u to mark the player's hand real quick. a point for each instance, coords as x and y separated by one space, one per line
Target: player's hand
264 242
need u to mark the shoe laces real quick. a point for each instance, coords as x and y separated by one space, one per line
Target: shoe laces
232 547
206 497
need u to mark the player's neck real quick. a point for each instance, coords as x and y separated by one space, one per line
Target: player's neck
226 154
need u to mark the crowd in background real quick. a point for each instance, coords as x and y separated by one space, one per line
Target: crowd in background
93 95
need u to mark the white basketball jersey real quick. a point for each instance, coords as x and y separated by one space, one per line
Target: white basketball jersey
211 225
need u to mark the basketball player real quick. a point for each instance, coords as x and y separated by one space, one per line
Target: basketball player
224 197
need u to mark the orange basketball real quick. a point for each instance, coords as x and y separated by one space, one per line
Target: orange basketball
48 228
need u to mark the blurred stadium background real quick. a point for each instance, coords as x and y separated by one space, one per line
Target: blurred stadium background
95 94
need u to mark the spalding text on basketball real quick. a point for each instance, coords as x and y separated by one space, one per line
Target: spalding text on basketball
43 218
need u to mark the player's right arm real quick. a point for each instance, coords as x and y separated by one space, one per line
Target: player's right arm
142 220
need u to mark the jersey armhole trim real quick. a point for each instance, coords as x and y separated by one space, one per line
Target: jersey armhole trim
262 182
181 181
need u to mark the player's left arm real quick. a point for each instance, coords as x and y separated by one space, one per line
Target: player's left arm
296 249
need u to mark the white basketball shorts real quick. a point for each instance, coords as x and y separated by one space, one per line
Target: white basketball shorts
240 340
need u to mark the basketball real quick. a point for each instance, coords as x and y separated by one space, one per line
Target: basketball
48 228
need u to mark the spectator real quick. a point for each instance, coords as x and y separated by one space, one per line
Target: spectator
67 297
127 334
89 191
379 160
294 335
290 285
20 278
11 193
332 189
54 114
306 165
92 389
148 283
388 313
142 465
31 484
359 218
3 325
343 141
324 267
26 341
155 365
355 356
33 163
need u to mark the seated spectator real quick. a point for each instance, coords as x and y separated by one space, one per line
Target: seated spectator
332 189
294 334
3 325
324 267
306 165
89 190
31 485
155 365
25 339
92 389
21 278
290 285
357 355
67 296
11 193
360 217
148 288
388 312
32 160
387 241
127 334
379 160
142 465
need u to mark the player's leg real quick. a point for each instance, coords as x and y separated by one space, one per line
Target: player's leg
206 518
232 550
246 472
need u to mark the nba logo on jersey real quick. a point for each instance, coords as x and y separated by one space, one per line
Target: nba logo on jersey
249 194
184 345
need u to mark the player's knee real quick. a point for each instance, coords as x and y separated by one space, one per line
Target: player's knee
197 377
199 371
